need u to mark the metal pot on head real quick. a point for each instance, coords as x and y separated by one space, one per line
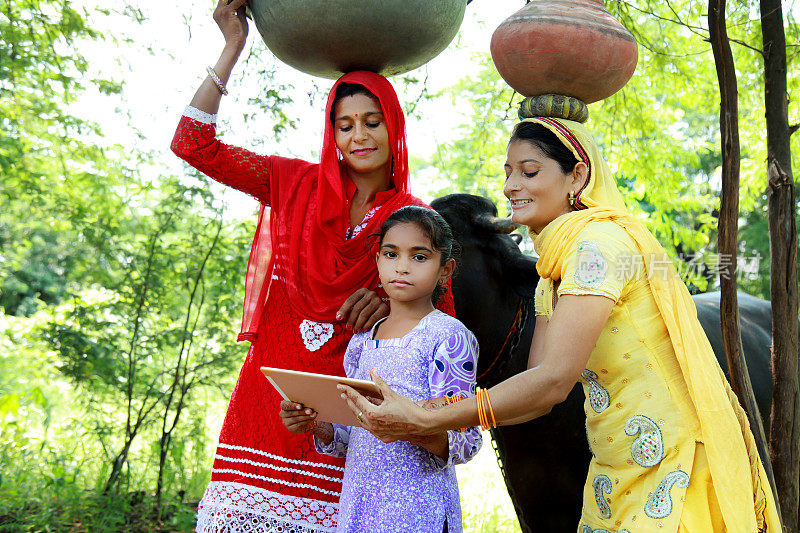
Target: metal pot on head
330 37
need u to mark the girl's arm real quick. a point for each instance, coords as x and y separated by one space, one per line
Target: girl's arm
195 138
452 373
569 340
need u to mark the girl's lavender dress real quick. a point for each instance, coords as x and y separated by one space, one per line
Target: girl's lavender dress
400 486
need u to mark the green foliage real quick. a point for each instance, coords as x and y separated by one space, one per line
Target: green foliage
473 163
120 293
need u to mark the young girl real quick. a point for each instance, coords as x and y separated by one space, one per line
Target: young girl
423 353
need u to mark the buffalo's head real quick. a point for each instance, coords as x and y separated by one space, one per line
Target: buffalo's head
489 256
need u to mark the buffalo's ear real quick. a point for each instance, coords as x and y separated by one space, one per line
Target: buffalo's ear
520 274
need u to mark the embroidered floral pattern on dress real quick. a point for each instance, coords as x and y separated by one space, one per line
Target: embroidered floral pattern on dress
659 504
602 484
315 334
599 398
648 448
592 266
240 508
355 231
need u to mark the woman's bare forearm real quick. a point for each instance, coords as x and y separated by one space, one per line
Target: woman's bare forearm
520 398
208 96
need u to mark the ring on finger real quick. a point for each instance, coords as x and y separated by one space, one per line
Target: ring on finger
361 420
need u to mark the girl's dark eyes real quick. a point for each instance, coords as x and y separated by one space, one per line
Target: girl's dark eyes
389 255
530 174
420 257
373 125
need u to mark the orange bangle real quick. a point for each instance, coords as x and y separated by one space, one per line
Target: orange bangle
478 404
482 420
491 411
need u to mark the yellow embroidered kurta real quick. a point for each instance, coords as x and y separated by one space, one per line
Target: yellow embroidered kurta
641 426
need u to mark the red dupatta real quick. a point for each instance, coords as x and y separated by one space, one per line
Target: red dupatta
307 220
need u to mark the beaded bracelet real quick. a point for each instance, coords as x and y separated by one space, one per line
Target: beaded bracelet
213 75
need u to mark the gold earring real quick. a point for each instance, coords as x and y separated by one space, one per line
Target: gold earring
571 198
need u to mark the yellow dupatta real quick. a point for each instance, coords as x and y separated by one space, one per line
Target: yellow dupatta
742 488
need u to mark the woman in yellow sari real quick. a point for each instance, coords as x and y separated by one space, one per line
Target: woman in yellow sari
672 449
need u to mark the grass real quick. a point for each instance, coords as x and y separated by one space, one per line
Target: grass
485 505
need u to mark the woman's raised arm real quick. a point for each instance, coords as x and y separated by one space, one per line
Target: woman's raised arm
229 16
195 138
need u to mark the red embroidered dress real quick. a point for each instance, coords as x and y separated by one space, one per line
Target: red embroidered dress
265 478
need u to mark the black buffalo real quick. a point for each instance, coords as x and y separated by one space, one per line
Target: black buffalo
544 461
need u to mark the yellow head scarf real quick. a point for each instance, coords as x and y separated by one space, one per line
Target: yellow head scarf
742 488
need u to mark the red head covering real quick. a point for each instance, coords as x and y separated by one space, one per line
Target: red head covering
309 219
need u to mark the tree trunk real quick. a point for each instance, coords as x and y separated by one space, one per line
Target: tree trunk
785 426
728 223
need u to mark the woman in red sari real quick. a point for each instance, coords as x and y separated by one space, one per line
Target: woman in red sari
311 282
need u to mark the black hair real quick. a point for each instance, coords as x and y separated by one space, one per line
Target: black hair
434 227
343 90
546 141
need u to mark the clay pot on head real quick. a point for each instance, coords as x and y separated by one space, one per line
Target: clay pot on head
573 48
330 37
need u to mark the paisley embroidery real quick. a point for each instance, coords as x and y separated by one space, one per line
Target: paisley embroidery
315 334
659 504
648 448
599 398
602 484
592 266
588 529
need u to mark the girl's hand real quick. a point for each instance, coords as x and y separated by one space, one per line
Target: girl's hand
229 16
296 418
362 309
395 418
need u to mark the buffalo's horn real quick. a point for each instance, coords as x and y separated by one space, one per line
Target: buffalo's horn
496 224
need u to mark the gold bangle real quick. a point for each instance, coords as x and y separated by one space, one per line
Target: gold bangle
218 82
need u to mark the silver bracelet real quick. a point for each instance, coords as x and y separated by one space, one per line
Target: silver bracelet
213 75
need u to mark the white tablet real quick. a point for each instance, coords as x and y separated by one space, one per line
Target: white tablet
319 392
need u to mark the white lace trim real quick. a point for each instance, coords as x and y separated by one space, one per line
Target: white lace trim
350 234
275 480
278 468
278 457
315 334
238 508
200 116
